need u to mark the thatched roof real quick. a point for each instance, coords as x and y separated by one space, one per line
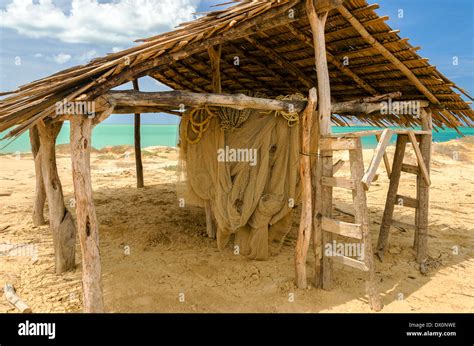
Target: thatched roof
273 44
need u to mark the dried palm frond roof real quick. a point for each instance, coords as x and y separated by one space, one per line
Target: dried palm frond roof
267 48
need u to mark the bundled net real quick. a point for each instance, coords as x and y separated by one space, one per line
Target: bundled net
245 165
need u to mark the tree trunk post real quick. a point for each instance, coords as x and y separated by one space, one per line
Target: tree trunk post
317 22
423 193
306 222
87 224
40 192
138 147
215 59
60 219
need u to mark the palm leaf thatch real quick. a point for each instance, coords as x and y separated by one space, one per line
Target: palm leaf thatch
267 48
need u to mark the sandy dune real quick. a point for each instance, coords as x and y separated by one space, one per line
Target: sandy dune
157 258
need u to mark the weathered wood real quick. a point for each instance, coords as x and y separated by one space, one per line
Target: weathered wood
338 182
317 22
391 195
405 201
306 222
137 142
361 216
60 219
419 156
350 262
379 153
15 300
336 144
87 224
40 192
326 5
152 102
215 59
345 229
423 192
412 169
385 159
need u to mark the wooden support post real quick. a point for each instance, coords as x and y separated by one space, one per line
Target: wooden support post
391 194
87 224
317 21
305 229
138 147
361 216
40 192
60 219
423 192
215 59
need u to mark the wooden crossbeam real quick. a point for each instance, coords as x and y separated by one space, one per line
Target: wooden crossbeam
405 201
338 182
350 262
345 229
379 153
336 144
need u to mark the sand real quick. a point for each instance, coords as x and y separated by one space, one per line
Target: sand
156 256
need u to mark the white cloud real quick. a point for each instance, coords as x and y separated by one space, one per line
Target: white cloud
88 55
117 49
38 55
62 58
89 21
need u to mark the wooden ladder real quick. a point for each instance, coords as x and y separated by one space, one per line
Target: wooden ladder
359 230
422 146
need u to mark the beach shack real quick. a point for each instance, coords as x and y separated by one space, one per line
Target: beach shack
279 73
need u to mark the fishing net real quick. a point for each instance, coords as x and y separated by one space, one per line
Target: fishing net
245 164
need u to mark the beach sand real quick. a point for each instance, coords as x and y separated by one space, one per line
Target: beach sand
156 256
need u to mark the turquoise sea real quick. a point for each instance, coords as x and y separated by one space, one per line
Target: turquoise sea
167 135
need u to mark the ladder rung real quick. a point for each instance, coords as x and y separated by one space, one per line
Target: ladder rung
338 144
407 168
404 225
405 201
350 262
338 182
345 229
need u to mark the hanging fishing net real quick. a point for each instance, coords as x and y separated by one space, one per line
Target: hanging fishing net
245 163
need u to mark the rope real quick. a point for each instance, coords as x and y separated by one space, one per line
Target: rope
200 119
231 118
291 117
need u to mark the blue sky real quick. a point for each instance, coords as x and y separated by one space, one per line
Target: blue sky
51 35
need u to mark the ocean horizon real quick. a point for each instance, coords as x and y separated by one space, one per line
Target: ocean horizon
105 135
